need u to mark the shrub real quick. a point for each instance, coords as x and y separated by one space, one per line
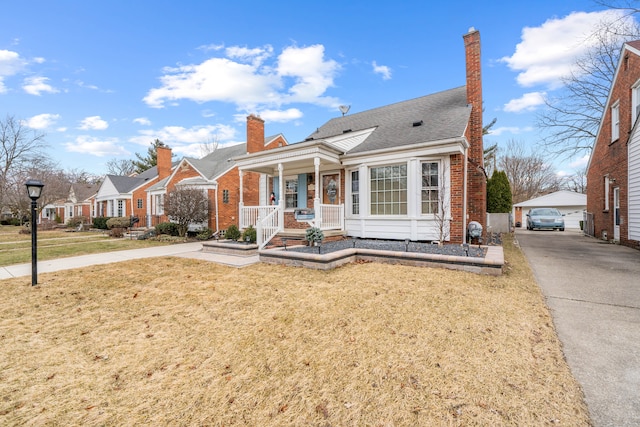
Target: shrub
118 222
250 234
100 222
57 219
116 232
204 234
75 221
232 232
314 234
168 228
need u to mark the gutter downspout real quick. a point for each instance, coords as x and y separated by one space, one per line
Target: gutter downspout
216 205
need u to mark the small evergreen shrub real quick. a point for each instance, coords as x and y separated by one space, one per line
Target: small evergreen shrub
250 234
168 228
75 221
204 234
118 222
100 222
57 219
232 233
314 234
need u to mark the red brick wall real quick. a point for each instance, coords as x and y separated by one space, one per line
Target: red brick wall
611 157
164 162
477 183
255 134
457 230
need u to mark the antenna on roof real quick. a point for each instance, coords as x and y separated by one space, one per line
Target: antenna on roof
344 109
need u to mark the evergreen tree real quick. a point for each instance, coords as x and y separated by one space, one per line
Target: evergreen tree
498 193
151 160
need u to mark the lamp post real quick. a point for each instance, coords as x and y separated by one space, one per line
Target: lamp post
34 189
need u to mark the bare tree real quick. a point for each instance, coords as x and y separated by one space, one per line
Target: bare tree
122 167
576 182
209 146
530 175
19 146
572 118
185 206
442 212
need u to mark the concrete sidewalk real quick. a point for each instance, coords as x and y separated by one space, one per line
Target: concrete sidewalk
184 250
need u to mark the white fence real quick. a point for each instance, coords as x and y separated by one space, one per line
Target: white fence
267 228
331 217
249 215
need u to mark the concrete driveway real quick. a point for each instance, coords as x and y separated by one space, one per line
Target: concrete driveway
593 291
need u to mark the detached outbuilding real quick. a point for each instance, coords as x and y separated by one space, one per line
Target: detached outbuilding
571 204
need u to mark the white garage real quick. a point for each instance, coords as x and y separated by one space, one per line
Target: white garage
572 205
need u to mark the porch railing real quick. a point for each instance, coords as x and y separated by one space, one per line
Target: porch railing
249 215
267 227
331 217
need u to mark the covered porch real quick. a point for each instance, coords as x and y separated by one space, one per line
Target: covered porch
301 186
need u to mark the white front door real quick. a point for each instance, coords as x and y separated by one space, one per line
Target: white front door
616 214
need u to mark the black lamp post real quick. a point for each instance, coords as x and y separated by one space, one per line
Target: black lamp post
34 189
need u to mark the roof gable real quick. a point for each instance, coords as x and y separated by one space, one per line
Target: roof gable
440 116
559 198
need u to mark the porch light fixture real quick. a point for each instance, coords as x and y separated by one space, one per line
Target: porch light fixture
34 190
284 242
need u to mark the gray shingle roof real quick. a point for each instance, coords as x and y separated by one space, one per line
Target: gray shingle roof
214 164
124 184
444 115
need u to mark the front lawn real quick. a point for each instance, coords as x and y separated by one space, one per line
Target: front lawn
186 342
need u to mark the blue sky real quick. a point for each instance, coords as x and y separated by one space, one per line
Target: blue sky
103 79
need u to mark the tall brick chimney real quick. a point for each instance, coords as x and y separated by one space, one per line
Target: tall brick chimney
476 179
255 134
163 161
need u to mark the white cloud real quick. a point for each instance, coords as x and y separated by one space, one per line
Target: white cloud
42 121
142 121
38 85
528 102
580 163
245 79
96 147
547 53
177 136
514 130
280 116
93 123
383 70
10 64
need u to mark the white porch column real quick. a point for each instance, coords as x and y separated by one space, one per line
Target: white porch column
316 200
148 210
281 196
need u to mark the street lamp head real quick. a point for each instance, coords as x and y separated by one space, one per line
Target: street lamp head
34 188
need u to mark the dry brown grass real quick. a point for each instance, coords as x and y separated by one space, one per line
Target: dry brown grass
185 342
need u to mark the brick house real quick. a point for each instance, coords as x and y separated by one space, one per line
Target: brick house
77 204
409 170
613 173
123 196
218 175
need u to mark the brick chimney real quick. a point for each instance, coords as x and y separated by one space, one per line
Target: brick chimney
163 161
255 134
476 179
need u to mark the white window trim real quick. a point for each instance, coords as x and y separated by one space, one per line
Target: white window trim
615 121
606 193
635 101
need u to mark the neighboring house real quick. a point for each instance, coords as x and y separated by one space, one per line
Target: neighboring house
410 170
613 173
571 204
218 175
122 196
77 204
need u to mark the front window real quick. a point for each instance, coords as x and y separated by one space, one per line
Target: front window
635 102
615 122
430 188
291 193
159 205
225 196
139 203
120 208
389 190
355 192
